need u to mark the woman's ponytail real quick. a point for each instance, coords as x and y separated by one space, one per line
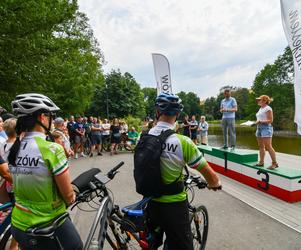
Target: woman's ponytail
24 124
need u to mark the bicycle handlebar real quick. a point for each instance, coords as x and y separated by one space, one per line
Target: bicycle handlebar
200 183
113 171
92 180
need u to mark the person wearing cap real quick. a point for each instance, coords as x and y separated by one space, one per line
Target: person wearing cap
264 131
228 108
61 137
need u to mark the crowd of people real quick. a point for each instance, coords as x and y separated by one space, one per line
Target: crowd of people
72 134
23 144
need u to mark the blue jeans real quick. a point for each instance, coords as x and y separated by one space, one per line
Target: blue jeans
229 124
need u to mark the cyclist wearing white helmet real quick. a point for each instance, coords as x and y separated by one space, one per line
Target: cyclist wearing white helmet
41 177
170 212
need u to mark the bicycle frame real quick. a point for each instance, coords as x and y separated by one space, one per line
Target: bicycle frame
7 220
100 219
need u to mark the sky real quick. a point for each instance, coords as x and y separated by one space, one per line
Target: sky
209 43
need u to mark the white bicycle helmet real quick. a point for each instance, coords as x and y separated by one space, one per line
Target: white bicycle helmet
27 104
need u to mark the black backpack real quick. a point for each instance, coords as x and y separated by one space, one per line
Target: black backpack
147 170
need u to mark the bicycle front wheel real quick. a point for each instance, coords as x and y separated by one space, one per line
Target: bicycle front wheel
199 221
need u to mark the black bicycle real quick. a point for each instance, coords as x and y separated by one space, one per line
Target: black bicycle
5 234
130 229
87 144
126 228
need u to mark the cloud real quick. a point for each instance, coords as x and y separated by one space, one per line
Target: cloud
208 43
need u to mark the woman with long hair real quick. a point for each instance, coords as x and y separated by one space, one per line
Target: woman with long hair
41 179
115 136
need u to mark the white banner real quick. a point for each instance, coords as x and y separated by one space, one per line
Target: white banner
291 20
162 73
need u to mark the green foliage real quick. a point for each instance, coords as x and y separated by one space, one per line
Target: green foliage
133 122
47 46
191 104
121 94
242 97
275 80
150 95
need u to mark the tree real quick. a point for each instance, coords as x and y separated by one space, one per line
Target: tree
242 97
121 94
191 104
150 95
275 80
48 47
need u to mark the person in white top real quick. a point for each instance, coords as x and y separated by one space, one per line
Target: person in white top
264 132
203 130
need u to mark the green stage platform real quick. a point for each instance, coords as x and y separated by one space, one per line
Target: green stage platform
283 182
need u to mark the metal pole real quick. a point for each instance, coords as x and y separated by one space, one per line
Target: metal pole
107 101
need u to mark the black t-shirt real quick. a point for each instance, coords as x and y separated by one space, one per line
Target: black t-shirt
114 129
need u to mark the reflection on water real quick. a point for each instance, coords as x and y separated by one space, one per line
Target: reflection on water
246 139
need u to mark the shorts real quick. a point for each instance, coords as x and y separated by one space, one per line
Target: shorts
264 131
193 135
96 139
131 142
115 138
173 220
79 139
64 233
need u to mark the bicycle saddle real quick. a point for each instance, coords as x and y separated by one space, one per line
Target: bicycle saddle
136 209
49 229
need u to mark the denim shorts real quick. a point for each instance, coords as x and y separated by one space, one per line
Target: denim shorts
264 131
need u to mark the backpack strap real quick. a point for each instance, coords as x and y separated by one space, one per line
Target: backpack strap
176 186
165 134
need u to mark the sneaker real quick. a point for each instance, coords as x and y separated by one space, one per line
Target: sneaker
91 154
99 153
76 156
224 147
232 148
83 155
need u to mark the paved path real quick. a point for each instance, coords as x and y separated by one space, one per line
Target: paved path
233 223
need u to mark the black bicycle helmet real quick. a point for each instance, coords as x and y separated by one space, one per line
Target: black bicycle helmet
169 104
27 104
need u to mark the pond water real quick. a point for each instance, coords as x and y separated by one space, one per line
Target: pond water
246 139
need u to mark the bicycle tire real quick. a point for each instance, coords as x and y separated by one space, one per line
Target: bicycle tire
5 239
128 147
87 146
106 145
199 221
